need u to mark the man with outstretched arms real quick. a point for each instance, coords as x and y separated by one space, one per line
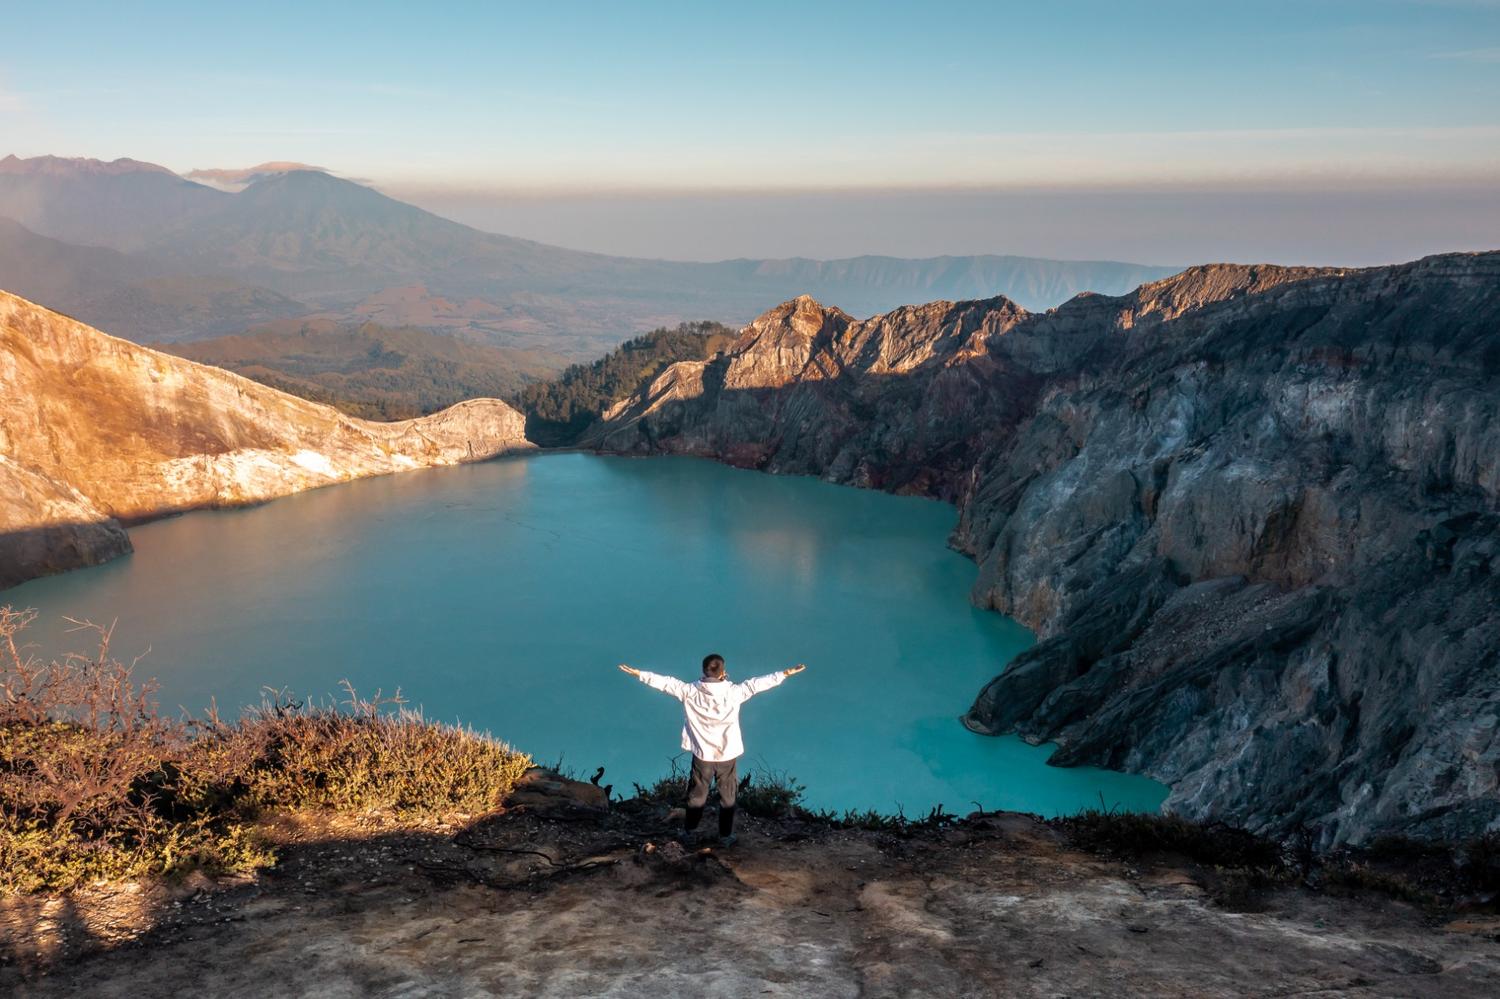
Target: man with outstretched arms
711 732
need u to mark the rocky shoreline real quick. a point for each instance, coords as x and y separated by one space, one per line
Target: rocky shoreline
1253 513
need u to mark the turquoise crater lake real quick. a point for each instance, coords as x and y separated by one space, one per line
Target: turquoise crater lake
503 594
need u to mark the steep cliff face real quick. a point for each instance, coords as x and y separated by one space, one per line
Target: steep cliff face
96 431
896 402
1252 512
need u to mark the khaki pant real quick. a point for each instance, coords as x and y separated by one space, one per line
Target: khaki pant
704 772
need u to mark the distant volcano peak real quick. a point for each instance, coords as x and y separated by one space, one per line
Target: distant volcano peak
238 178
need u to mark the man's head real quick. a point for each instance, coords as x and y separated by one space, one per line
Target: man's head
713 666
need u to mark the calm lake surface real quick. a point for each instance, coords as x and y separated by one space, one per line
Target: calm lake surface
502 595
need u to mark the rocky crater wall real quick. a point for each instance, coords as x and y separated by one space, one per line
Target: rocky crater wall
1252 512
97 432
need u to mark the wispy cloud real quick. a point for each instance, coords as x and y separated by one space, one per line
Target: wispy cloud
1491 54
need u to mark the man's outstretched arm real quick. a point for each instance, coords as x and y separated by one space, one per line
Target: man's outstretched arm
757 684
666 684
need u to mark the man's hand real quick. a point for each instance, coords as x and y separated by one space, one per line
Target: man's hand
630 670
794 670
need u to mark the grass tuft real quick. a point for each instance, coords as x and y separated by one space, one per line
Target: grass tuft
766 794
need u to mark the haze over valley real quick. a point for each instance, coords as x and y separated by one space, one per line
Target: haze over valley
128 245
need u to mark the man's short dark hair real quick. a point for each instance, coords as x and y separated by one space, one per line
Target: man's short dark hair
713 665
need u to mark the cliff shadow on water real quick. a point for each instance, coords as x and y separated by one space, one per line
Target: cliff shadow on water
58 547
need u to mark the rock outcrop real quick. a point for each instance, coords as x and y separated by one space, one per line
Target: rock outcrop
96 432
1253 514
602 904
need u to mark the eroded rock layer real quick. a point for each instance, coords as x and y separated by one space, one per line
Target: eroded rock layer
1253 514
96 431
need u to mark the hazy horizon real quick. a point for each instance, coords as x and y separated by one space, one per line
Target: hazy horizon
1354 227
1366 225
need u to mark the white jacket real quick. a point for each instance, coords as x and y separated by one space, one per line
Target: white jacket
711 731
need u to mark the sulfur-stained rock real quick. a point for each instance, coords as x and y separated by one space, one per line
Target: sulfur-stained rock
96 431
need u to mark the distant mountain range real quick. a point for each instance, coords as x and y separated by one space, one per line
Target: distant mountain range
136 248
143 298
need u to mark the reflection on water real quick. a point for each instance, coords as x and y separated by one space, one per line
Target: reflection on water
792 553
503 595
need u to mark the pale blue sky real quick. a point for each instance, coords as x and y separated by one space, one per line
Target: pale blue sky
563 99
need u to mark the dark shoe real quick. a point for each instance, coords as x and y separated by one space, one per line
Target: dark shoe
728 841
688 839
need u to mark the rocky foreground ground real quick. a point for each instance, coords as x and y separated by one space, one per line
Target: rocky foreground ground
555 898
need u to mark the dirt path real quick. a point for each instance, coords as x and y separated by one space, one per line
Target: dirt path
996 907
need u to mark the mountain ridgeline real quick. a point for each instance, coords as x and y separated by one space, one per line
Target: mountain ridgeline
131 247
1253 514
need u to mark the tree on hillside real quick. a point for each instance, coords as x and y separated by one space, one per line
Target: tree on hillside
558 411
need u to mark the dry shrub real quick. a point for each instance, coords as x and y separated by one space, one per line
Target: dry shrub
1424 872
1136 834
96 785
366 758
90 786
